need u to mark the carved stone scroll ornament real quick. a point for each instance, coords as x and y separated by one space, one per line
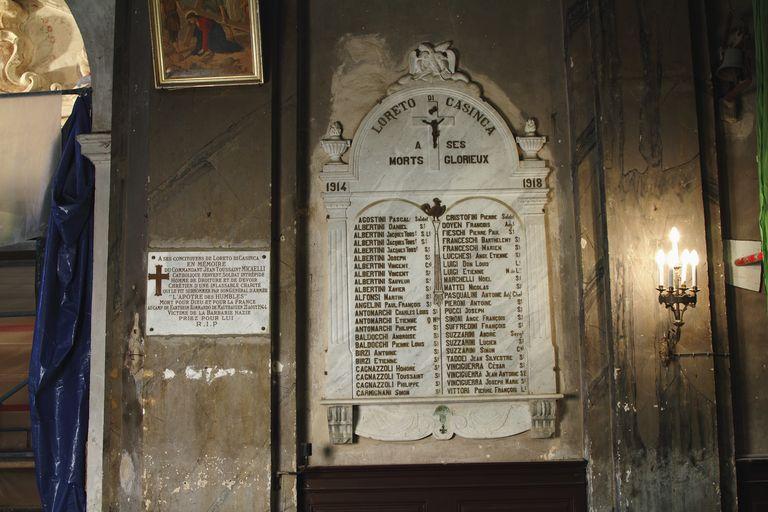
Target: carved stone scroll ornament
411 422
543 417
340 424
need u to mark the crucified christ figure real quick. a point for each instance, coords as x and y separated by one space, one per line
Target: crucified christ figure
435 125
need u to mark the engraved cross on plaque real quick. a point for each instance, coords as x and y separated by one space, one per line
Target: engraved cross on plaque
158 277
435 122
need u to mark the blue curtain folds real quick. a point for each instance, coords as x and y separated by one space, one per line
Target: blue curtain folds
60 364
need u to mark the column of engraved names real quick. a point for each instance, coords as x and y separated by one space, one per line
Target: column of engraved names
485 350
517 329
388 344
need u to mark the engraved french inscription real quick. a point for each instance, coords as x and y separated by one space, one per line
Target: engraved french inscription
208 292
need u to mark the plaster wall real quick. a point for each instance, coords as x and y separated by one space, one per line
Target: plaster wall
191 169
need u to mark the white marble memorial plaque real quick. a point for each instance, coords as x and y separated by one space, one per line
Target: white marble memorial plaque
207 293
439 285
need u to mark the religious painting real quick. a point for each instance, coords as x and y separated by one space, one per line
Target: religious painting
206 42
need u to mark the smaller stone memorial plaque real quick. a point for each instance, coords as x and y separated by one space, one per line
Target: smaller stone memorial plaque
207 292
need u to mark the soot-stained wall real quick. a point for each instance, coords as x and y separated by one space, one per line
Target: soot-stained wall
191 170
514 50
748 321
639 173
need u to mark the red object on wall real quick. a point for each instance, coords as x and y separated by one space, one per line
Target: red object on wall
749 260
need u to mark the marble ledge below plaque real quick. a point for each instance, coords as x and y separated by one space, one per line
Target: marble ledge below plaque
417 418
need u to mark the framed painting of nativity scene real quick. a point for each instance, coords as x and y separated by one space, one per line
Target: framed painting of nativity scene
206 42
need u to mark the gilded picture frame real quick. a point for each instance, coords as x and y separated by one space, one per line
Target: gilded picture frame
204 43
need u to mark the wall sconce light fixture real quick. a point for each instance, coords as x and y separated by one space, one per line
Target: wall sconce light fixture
677 289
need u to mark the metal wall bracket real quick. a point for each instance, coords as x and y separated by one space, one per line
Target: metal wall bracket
134 354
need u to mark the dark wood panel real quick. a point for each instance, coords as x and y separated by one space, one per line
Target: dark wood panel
497 487
519 505
353 506
753 484
17 289
18 491
14 359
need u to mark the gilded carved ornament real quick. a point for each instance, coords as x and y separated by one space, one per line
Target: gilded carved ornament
29 46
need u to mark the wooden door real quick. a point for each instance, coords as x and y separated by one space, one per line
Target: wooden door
497 487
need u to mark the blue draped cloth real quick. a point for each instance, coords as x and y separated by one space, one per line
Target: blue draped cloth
59 367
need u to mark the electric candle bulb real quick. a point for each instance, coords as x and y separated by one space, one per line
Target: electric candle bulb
694 263
672 262
674 237
660 260
673 259
686 259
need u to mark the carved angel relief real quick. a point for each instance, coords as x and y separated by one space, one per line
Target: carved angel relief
428 62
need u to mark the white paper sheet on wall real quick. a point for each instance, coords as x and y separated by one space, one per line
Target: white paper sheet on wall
748 276
30 147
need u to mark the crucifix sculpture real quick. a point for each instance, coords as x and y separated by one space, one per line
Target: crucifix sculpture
435 122
158 277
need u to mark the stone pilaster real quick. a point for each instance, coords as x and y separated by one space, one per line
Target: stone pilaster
97 147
